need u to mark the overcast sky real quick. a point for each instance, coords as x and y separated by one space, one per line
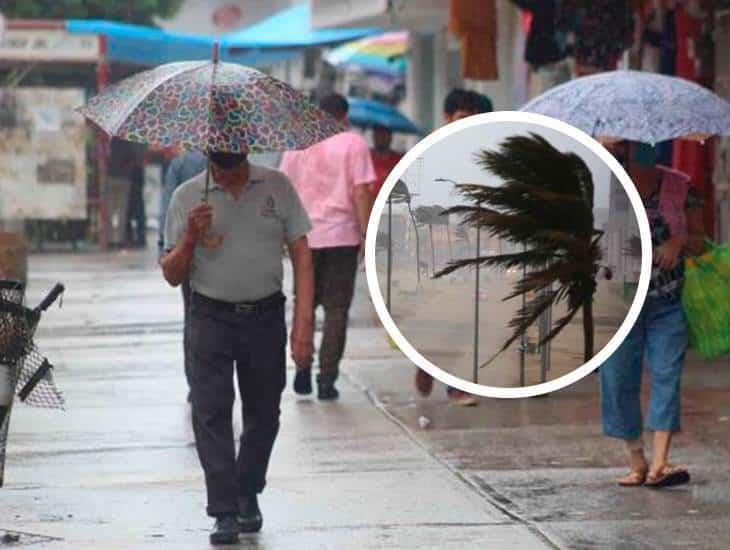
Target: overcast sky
453 157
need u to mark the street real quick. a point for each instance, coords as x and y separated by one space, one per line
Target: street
118 469
436 316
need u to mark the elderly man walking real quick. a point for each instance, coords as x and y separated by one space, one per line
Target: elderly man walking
333 179
230 249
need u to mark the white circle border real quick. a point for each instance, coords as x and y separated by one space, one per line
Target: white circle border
495 391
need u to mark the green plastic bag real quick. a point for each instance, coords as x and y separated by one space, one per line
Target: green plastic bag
706 301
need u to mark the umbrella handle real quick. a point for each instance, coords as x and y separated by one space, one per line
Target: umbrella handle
207 181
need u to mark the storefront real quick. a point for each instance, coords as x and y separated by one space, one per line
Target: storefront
45 155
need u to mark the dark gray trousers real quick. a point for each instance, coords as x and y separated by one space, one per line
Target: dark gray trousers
253 341
335 270
185 288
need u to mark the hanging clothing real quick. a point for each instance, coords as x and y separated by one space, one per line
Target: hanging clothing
693 158
545 43
660 50
603 32
474 22
520 69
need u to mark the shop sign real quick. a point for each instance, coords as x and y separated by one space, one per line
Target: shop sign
44 45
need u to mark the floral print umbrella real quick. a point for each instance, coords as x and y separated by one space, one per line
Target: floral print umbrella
210 106
636 105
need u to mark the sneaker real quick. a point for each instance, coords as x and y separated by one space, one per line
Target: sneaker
462 399
327 392
303 381
225 530
250 519
424 382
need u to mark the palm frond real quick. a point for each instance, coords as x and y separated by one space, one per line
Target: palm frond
545 204
529 258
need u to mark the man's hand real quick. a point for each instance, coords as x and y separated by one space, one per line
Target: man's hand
200 219
302 346
666 256
302 332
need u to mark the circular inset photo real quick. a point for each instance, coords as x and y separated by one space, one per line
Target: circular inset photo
508 254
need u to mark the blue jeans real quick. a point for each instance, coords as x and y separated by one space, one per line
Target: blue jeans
660 333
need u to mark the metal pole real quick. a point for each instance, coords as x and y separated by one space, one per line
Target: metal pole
433 253
418 244
544 328
390 252
523 338
476 313
543 357
548 345
448 237
101 150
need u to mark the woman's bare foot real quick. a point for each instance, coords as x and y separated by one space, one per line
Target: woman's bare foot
634 478
639 469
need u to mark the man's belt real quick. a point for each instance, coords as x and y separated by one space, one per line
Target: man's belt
264 304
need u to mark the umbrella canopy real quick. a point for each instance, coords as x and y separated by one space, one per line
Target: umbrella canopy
637 106
210 106
366 113
383 54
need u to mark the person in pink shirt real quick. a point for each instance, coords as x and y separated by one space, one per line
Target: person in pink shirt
333 180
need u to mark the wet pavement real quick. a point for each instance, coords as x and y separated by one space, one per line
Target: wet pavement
118 468
545 461
436 316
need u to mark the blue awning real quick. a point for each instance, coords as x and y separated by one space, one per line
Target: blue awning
280 37
141 45
291 28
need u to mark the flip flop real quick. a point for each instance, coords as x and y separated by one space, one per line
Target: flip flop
671 476
633 479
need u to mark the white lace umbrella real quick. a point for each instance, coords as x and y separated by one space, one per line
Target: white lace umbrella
635 105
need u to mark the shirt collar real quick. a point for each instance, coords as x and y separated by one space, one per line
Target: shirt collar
254 177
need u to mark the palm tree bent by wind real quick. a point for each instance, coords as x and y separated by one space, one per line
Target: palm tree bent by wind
545 203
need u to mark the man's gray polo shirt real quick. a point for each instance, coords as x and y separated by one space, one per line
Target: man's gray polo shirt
247 266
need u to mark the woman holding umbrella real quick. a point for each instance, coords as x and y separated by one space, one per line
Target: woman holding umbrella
647 108
660 333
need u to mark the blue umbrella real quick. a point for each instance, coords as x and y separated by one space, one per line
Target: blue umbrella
635 105
366 113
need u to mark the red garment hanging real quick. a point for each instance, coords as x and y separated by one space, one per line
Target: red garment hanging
690 157
475 23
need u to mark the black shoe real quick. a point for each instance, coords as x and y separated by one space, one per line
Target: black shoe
225 530
249 514
303 381
326 391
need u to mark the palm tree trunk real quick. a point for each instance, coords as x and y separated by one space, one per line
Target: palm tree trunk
588 329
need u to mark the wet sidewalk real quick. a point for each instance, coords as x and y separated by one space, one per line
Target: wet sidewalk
118 469
545 460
